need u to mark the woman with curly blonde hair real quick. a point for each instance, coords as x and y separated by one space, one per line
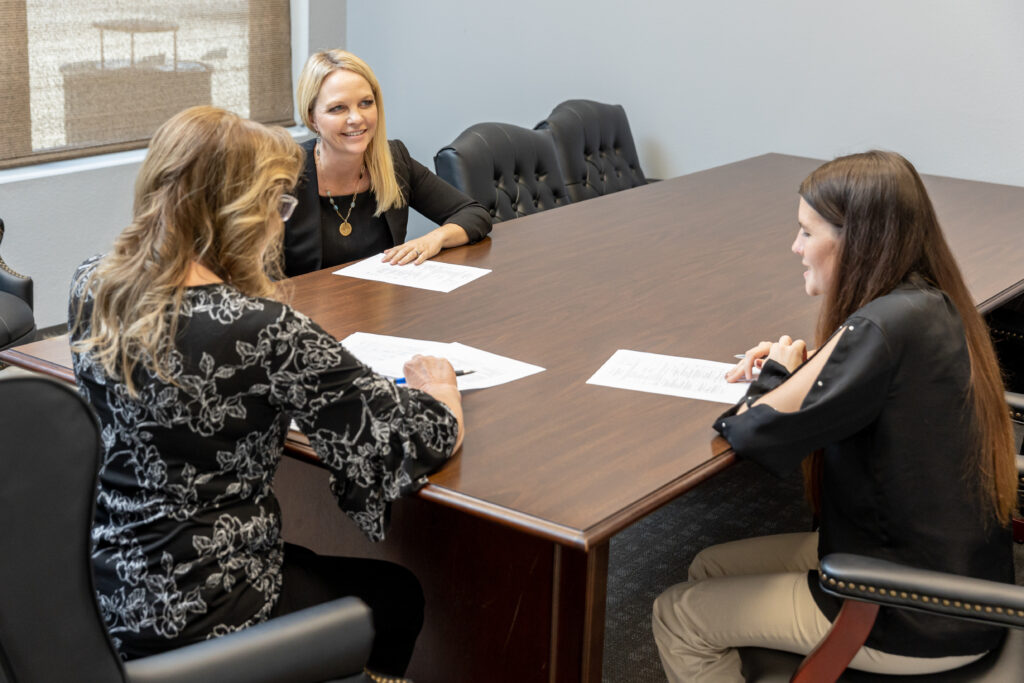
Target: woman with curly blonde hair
195 368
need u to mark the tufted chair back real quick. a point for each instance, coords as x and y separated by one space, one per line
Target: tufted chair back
595 148
17 323
512 171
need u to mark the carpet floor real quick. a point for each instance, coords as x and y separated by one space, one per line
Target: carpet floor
655 552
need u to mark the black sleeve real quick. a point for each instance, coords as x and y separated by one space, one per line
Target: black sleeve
846 396
379 440
439 201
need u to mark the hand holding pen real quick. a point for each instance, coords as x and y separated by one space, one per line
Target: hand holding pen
436 377
458 373
785 351
744 371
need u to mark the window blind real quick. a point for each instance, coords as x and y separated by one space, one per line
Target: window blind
94 76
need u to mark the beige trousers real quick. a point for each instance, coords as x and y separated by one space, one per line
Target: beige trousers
754 592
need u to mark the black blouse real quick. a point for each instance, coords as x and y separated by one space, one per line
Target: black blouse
187 528
369 233
891 411
423 191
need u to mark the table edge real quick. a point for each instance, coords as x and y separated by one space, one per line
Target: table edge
22 360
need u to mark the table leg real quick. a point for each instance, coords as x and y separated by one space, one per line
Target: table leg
578 613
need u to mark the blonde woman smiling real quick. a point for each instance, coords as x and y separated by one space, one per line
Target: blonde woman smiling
357 187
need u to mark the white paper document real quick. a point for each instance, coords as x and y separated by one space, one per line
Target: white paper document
670 375
432 275
387 355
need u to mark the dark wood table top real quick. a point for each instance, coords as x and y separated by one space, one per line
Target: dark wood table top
695 266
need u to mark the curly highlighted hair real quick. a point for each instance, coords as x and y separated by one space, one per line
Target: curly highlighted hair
209 191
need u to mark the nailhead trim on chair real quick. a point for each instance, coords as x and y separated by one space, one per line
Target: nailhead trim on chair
8 269
385 679
966 606
3 264
1007 333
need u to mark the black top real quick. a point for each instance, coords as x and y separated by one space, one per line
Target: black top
423 191
187 528
369 234
890 409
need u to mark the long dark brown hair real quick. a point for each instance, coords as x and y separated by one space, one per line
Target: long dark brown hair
887 231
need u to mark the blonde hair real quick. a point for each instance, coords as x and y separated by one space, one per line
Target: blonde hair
209 191
378 154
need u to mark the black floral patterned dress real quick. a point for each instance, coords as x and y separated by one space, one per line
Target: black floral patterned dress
187 528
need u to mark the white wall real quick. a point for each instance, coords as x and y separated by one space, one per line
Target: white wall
704 83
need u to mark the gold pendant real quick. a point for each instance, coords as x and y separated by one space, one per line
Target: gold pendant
345 229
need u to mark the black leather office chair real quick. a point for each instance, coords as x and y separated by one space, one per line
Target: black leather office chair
50 626
595 148
866 583
512 171
1015 402
1006 325
17 324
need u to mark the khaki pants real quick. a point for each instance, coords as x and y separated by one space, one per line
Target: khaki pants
754 593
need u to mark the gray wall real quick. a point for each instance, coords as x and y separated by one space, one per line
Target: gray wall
703 83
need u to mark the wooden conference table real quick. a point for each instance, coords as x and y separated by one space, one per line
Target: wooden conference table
511 538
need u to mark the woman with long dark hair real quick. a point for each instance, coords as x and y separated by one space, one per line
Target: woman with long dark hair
901 410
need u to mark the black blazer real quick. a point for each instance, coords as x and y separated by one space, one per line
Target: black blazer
423 191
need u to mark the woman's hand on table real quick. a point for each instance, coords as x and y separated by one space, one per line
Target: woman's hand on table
428 246
753 358
436 377
414 251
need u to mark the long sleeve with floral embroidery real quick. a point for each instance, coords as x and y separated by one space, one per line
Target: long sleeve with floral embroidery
187 528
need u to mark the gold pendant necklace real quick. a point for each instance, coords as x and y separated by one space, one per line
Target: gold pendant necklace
345 229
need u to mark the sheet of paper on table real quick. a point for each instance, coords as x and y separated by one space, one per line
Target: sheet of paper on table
670 375
432 275
387 355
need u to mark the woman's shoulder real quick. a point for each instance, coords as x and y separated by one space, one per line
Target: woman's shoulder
88 265
398 148
911 310
223 304
910 299
82 274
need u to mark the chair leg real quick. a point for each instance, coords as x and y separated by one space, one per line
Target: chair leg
826 662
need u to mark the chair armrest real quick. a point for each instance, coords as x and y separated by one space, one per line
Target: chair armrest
319 643
887 583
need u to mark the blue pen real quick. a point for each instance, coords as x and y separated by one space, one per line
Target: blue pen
458 373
